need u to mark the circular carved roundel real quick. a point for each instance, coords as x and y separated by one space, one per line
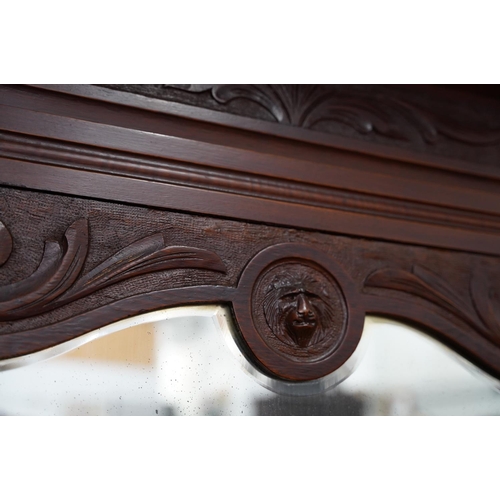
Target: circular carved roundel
299 309
298 313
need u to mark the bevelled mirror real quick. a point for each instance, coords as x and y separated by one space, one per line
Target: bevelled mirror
232 249
184 361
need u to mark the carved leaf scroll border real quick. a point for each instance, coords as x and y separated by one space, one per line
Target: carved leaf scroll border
480 309
308 105
57 279
5 244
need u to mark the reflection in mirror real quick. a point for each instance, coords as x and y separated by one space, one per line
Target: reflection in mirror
183 362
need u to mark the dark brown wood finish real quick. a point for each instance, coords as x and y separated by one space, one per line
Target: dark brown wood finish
78 264
115 204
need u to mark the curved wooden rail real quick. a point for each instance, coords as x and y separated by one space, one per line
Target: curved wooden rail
318 206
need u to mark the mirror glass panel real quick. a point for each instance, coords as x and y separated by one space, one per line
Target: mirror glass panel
184 362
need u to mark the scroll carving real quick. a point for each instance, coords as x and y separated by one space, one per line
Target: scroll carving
308 105
58 270
480 309
56 280
367 112
5 244
299 298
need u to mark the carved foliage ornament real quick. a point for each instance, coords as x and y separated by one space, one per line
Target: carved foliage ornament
309 106
300 315
5 244
57 279
480 309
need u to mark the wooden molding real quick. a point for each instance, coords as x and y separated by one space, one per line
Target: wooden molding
121 153
466 110
113 204
115 261
242 184
437 121
358 107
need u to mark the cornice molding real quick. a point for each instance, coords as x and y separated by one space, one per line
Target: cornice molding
167 172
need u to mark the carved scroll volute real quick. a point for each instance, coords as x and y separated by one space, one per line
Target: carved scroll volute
298 313
58 281
478 307
5 244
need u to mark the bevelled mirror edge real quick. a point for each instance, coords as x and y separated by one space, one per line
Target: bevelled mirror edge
222 319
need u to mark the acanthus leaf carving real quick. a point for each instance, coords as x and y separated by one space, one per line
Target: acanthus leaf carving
5 244
480 310
308 105
55 282
305 105
144 256
58 270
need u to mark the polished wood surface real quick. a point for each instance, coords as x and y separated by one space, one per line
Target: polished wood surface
116 261
55 142
114 204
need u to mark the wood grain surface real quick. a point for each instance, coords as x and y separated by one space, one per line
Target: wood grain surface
320 205
65 143
78 264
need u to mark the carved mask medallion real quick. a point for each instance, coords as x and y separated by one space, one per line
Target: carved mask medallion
297 309
300 309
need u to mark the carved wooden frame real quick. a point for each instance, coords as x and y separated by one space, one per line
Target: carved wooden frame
303 208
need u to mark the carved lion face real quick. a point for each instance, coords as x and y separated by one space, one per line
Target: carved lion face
296 309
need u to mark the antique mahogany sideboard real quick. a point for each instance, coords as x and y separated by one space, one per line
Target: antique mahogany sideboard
301 207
